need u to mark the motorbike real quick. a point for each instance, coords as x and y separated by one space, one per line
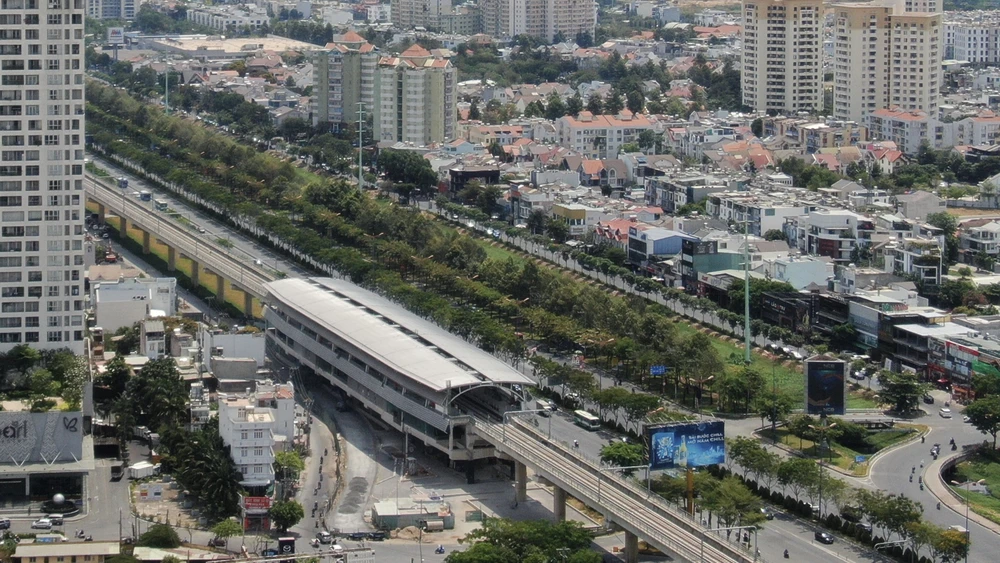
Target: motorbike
80 534
439 550
88 538
954 446
921 486
786 554
939 506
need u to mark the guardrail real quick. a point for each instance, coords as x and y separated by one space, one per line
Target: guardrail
206 252
628 505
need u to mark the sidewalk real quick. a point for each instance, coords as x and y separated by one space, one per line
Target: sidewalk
948 498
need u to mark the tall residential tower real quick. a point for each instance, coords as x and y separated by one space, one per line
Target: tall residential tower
41 173
886 54
782 44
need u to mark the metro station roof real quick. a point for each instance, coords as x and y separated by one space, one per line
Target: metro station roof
411 345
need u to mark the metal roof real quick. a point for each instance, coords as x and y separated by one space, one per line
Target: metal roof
411 345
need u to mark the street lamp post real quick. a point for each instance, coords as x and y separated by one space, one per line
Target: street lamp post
968 492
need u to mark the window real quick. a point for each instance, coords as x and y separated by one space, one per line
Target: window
258 434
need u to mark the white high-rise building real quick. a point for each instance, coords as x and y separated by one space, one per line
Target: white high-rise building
112 9
782 66
415 98
887 54
544 19
41 173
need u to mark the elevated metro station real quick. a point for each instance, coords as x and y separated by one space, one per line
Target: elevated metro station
402 369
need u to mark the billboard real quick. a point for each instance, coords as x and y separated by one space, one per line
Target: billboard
41 437
690 444
825 389
116 36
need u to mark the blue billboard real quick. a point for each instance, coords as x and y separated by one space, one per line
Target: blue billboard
679 446
825 391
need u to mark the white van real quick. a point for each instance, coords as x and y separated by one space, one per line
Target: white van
545 407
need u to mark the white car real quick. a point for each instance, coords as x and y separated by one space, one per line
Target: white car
945 412
966 419
42 524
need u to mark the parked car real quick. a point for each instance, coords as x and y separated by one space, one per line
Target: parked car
768 513
823 537
376 536
217 542
928 399
56 519
357 536
966 419
4 523
324 537
42 524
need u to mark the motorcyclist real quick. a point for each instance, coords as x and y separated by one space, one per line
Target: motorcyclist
786 554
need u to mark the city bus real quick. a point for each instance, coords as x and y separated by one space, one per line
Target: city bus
160 204
587 420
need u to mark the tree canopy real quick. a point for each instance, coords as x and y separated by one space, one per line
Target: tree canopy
500 540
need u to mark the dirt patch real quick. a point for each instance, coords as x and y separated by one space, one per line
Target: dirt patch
166 505
583 508
411 533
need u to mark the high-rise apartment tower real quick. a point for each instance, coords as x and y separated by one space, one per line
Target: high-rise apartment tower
41 173
782 45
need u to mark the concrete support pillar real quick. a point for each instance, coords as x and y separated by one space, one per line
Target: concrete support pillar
520 482
559 503
195 273
146 242
247 304
171 259
100 213
123 227
220 288
631 547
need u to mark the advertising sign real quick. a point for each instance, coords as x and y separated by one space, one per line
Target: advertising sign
150 492
257 503
116 36
679 446
825 386
41 436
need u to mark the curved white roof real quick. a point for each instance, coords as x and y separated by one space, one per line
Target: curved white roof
411 345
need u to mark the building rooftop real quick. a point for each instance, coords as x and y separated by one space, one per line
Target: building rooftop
413 346
944 329
68 549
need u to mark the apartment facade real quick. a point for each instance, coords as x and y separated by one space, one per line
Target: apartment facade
112 9
41 174
600 136
418 13
543 19
977 43
782 67
254 426
416 96
886 55
227 18
908 129
343 77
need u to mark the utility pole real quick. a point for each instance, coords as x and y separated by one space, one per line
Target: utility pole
166 90
746 292
361 128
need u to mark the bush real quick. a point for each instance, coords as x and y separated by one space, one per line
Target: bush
161 536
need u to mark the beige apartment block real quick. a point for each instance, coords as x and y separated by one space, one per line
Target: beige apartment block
415 98
782 66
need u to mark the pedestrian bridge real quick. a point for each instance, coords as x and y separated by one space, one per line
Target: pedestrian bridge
622 501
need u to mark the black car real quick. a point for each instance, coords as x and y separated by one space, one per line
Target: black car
269 553
357 536
376 536
823 537
928 399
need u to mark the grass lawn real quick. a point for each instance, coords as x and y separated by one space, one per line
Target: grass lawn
842 456
984 465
